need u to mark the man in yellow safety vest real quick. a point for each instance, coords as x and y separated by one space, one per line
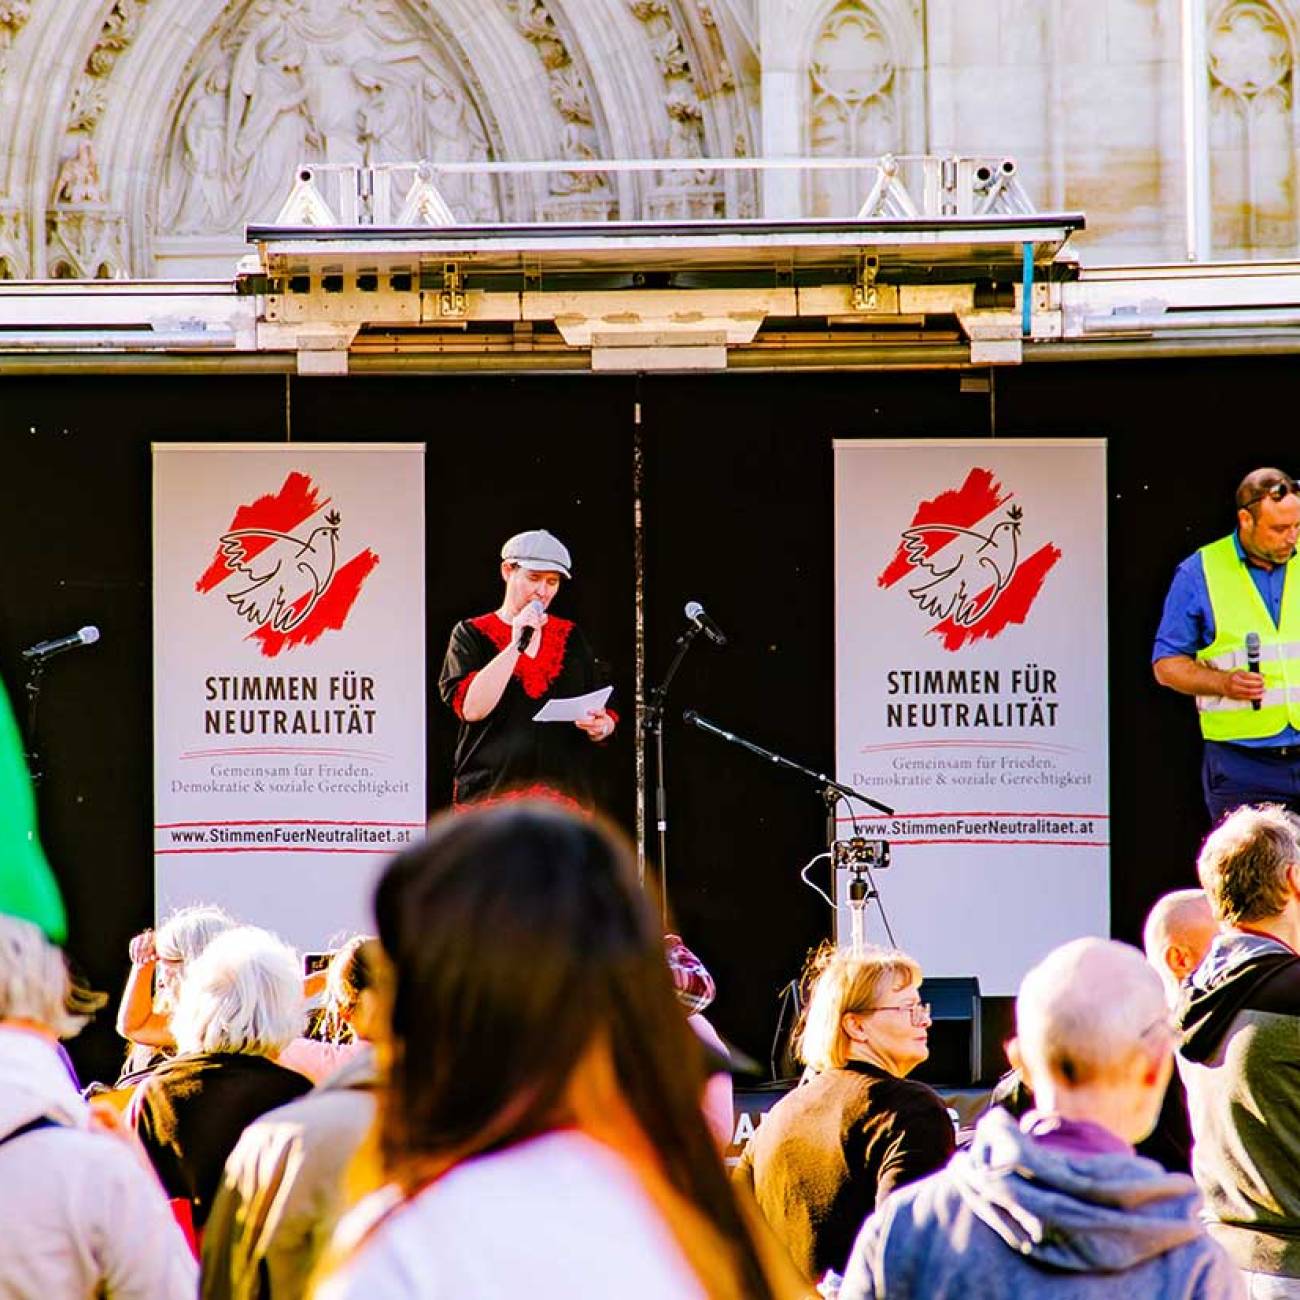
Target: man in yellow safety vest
1230 637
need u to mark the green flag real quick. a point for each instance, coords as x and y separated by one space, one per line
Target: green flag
27 885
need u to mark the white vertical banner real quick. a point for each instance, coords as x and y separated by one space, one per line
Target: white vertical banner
289 677
971 692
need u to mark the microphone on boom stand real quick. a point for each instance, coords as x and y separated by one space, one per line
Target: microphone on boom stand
44 650
703 623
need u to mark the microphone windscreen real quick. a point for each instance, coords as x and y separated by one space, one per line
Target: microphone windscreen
89 635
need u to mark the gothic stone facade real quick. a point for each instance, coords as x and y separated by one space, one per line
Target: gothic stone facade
137 137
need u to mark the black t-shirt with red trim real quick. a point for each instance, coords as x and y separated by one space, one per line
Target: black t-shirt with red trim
507 752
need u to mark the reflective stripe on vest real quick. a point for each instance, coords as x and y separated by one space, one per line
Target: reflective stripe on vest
1238 608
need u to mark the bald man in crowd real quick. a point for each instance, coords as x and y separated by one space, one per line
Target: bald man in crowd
1178 933
1241 1047
1179 930
1059 1204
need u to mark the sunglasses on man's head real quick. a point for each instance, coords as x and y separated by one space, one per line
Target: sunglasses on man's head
1279 491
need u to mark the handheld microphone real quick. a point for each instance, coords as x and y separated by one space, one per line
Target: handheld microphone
694 611
44 650
527 634
1252 658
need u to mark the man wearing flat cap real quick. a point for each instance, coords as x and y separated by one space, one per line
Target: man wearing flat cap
1230 637
502 667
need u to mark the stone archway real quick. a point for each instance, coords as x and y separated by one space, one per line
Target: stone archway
168 124
218 105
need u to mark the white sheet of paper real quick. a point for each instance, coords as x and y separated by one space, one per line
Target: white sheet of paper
574 707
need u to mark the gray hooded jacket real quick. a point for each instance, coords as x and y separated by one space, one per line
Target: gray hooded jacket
1013 1217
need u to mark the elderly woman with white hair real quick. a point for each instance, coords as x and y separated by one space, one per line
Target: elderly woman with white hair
830 1151
239 1005
82 1215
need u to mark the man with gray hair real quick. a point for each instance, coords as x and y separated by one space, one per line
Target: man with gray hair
1058 1204
1239 1057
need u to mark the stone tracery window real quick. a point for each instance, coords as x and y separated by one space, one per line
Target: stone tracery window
1252 132
853 109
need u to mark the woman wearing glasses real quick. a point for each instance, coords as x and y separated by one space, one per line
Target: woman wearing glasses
829 1152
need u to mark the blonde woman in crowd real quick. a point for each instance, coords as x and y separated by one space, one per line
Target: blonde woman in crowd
830 1151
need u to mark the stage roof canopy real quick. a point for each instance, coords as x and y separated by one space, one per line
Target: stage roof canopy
969 278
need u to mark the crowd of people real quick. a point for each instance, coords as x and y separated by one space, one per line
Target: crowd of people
519 1039
510 1089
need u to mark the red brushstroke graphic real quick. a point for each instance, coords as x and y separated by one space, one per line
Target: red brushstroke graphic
331 610
280 512
281 569
1011 607
960 562
960 507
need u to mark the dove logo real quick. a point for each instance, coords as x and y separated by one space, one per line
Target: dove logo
278 566
961 562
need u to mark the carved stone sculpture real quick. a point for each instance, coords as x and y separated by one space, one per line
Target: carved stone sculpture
13 15
852 110
13 243
78 179
678 194
85 243
576 196
116 34
333 81
84 237
1252 134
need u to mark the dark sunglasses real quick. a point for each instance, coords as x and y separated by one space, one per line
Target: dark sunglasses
1279 491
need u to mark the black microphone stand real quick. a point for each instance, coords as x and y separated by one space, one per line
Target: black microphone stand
653 723
829 790
832 791
35 674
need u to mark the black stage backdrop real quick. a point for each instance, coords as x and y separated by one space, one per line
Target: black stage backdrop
737 499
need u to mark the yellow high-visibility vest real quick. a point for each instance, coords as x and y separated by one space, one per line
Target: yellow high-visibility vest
1238 608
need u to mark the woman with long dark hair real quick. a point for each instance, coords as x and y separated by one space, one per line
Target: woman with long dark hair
542 1132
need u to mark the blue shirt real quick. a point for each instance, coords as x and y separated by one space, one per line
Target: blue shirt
1187 624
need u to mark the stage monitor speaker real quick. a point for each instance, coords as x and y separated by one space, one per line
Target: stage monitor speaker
955 1058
